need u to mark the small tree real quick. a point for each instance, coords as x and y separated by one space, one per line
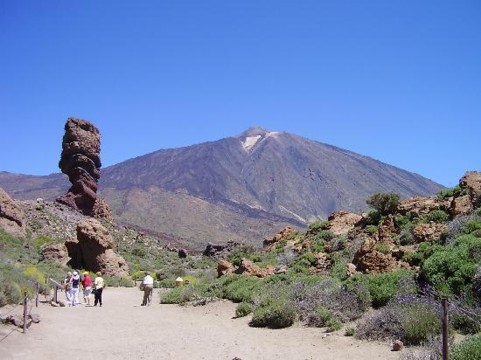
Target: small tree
384 203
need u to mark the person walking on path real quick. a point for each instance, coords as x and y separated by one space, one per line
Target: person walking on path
87 287
99 288
67 285
75 288
148 286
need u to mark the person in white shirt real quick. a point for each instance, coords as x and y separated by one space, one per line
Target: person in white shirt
148 286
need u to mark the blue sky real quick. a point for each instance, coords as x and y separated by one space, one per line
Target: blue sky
398 80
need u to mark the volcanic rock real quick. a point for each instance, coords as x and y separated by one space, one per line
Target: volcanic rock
12 218
95 248
340 222
80 161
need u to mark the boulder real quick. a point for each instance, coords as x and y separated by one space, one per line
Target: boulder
387 229
93 250
12 218
224 267
56 252
472 182
341 222
461 205
249 268
420 205
429 232
269 243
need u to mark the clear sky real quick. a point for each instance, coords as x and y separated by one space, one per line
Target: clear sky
397 80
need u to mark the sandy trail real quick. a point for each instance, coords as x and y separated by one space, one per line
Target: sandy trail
122 329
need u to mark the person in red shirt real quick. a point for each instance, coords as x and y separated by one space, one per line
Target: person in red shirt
87 287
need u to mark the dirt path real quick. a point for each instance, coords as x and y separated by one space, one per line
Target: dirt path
122 329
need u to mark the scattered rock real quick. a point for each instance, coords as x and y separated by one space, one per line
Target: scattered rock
397 345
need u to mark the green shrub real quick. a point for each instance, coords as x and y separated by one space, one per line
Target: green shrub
413 324
350 331
451 269
383 248
373 218
384 203
419 323
333 324
472 226
241 288
464 324
405 238
447 193
179 295
384 287
243 309
437 216
469 349
371 229
318 225
276 313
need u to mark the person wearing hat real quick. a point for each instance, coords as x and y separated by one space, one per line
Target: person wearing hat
148 285
99 288
87 287
75 288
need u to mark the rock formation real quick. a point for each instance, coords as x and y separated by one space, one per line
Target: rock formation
93 250
80 161
12 218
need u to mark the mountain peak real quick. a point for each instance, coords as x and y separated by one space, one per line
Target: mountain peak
254 131
252 136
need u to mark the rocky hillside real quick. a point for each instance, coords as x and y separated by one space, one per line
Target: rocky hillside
241 188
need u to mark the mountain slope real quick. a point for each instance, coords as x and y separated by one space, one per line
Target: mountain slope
239 188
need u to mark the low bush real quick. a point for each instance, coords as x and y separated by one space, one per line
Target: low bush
413 324
243 309
275 313
384 287
383 248
437 216
469 349
179 295
241 288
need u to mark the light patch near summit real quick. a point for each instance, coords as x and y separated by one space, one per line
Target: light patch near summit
250 141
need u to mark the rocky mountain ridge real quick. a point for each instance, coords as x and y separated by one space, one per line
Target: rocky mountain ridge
241 188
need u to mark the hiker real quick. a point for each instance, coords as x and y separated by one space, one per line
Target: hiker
98 288
67 285
148 287
75 288
87 287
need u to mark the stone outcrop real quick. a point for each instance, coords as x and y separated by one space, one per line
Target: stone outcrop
249 268
269 243
93 250
419 205
341 222
80 161
219 251
367 259
224 267
56 252
429 232
12 218
472 182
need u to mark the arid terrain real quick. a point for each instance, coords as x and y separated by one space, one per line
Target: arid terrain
122 329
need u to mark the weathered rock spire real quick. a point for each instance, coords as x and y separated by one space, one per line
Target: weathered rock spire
80 161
